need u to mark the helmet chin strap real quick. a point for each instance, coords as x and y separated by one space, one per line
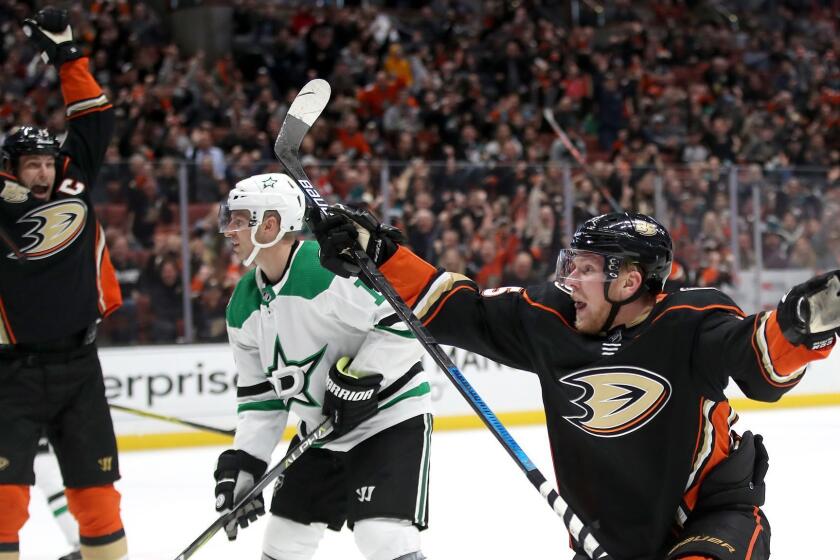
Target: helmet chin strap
258 245
616 305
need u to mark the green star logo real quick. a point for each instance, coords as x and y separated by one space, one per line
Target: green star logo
308 365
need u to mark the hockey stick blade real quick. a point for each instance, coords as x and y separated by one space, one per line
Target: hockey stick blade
286 149
321 431
172 419
305 110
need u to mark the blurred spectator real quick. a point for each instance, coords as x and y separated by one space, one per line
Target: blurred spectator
520 272
209 313
165 301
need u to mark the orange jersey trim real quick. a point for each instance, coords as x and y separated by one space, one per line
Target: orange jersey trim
91 110
443 302
408 274
720 451
731 308
785 357
77 83
110 295
532 303
7 326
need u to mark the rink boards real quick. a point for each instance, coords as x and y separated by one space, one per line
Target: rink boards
198 383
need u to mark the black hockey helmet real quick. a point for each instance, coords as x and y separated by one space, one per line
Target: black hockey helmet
629 237
27 141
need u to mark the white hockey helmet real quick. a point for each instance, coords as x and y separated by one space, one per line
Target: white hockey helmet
259 194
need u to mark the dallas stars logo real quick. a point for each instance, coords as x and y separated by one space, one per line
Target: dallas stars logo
269 183
308 365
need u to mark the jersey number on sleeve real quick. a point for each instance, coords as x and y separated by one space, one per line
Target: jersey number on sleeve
71 187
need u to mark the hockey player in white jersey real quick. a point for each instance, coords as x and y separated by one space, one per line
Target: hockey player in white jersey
307 341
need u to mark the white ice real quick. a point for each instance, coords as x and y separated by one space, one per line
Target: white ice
481 506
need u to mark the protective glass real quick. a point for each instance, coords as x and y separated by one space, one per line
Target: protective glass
230 222
580 266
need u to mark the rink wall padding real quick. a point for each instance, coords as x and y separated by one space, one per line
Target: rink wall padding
198 383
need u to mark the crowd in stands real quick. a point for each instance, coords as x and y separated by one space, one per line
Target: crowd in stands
443 102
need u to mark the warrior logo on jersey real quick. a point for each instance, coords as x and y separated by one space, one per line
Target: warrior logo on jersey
617 400
55 226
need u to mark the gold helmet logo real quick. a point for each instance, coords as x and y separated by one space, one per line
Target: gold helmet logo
4 463
644 228
617 400
56 225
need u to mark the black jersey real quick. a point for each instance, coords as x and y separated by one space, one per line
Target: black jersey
636 418
66 282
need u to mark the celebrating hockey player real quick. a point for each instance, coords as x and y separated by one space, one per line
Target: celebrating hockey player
632 379
309 342
55 285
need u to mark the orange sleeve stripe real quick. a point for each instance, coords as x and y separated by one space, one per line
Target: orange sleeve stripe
720 428
96 508
786 357
532 303
408 274
6 324
91 110
110 295
731 308
77 83
443 302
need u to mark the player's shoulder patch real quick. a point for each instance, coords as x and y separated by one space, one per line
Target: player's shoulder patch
244 301
14 192
698 300
306 278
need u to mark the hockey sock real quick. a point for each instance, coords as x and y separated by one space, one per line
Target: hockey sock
97 509
14 503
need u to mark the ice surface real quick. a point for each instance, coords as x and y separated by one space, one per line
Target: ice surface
481 506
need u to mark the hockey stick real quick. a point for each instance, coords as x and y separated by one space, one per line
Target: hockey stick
7 239
303 112
321 431
572 149
173 419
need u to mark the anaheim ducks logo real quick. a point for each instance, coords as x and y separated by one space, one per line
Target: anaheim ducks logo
644 228
617 400
56 225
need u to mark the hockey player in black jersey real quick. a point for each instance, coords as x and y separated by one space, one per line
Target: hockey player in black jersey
55 285
632 378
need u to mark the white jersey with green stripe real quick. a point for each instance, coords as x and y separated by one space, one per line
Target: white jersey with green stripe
308 320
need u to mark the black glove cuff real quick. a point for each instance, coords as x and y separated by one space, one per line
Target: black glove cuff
234 460
66 52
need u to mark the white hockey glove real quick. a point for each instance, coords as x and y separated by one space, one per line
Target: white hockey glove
809 314
236 472
50 29
349 400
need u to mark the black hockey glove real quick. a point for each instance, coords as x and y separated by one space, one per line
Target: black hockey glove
236 472
50 29
345 229
809 314
349 400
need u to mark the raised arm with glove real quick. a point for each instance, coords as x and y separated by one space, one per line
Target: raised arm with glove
50 29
